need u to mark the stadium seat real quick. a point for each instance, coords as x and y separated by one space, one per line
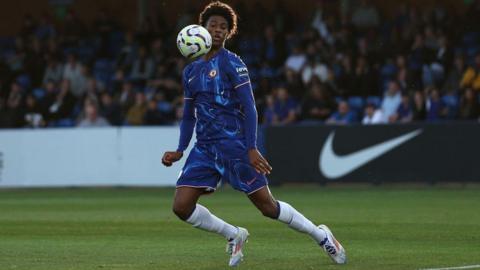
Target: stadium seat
339 99
375 100
38 93
24 81
388 71
103 71
86 53
471 39
356 103
452 103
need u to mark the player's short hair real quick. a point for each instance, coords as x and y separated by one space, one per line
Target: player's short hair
220 9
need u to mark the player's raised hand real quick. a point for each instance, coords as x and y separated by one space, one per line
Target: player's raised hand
170 157
259 162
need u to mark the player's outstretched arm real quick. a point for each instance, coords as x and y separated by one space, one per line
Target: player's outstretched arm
186 132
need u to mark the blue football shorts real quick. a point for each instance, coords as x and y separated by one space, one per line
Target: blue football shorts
208 165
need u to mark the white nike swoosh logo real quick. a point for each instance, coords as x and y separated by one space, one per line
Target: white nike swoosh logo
334 166
189 80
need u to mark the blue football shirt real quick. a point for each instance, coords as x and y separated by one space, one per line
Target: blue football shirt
212 85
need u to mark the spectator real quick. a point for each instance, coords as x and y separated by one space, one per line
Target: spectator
296 60
316 106
54 71
391 100
153 116
285 107
454 77
343 115
91 117
419 109
345 75
158 53
143 67
373 115
404 112
32 114
111 110
75 73
319 23
364 80
471 77
269 116
14 111
314 69
62 106
126 97
136 114
469 107
164 107
35 62
73 29
103 26
16 59
127 53
365 16
436 109
45 29
51 91
273 47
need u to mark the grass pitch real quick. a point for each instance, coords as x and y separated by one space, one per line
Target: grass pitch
380 227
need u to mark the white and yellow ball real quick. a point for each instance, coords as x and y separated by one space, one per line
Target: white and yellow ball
194 41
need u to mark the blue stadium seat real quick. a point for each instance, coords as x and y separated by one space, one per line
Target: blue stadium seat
24 81
65 122
86 53
339 99
388 71
452 102
471 51
471 39
38 93
103 71
375 100
356 103
67 51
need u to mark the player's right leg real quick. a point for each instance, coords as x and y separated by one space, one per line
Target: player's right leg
200 176
186 208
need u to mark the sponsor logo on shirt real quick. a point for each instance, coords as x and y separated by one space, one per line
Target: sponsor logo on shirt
242 70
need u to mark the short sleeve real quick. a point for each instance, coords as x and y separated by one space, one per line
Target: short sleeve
187 93
238 71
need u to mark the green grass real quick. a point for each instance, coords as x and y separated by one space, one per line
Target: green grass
381 228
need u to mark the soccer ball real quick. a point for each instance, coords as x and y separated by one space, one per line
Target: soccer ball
194 41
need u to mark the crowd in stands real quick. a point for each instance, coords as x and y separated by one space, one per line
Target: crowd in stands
341 67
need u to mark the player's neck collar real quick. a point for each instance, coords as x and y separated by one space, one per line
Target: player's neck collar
220 50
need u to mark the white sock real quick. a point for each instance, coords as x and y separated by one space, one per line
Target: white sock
202 218
297 221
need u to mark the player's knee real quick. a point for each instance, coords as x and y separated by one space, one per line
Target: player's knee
269 210
181 211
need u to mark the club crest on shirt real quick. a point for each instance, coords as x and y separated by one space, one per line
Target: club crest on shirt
212 73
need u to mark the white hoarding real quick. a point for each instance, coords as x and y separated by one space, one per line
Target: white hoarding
87 157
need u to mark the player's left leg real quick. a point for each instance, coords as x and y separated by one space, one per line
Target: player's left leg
285 213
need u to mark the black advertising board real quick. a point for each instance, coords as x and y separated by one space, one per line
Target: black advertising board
376 153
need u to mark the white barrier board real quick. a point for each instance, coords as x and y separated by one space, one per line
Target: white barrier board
88 157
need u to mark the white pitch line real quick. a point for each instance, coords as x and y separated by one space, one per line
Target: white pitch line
454 268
